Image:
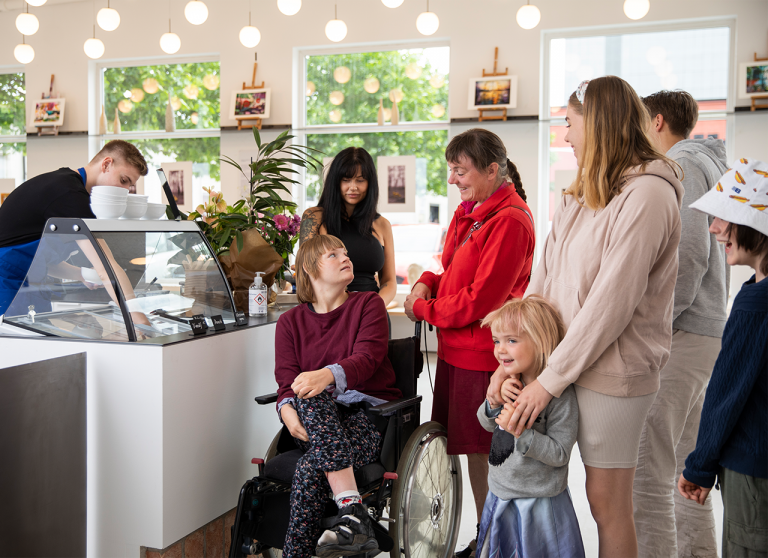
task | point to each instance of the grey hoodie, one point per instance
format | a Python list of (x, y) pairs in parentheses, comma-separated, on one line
[(701, 292), (535, 465)]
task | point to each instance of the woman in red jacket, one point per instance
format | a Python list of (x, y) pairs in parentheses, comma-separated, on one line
[(487, 260)]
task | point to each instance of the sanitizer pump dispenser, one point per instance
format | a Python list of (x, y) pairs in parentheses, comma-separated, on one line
[(257, 296)]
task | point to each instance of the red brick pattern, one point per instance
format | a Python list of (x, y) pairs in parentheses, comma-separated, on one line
[(214, 539), (210, 541), (173, 551), (194, 544), (229, 520)]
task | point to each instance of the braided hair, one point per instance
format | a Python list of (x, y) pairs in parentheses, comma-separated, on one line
[(484, 148)]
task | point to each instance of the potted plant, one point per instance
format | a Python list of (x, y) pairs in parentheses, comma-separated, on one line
[(257, 233)]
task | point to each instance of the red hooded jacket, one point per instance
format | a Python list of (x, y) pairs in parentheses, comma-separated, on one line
[(491, 267)]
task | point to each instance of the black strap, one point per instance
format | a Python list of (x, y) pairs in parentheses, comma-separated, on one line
[(476, 227)]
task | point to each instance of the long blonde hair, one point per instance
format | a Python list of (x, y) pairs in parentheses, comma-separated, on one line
[(534, 316), (616, 139)]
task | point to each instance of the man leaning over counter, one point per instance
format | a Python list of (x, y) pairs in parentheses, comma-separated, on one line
[(61, 193)]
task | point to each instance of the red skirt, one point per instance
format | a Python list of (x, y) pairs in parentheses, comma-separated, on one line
[(458, 394)]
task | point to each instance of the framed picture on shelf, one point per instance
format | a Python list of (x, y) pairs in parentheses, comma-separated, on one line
[(493, 92), (49, 112), (253, 103), (179, 177), (753, 79), (397, 184)]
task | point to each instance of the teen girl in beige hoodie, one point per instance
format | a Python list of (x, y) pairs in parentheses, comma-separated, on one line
[(609, 265)]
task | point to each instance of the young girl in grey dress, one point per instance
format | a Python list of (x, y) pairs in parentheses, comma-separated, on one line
[(528, 511)]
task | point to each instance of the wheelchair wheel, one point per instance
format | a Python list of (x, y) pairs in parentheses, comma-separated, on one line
[(426, 497)]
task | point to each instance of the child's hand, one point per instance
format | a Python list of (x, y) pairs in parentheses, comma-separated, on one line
[(506, 414), (511, 388)]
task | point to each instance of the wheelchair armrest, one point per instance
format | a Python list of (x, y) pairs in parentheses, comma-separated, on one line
[(392, 406), (266, 399)]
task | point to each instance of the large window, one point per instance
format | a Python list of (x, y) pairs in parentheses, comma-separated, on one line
[(139, 97), (347, 88), (13, 147), (696, 60), (343, 94)]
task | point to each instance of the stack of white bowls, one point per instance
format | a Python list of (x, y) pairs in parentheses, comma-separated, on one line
[(154, 212), (108, 202), (137, 206)]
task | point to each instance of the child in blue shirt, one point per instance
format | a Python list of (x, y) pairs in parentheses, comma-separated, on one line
[(732, 444)]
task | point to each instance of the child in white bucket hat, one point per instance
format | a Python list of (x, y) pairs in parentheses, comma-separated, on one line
[(732, 445)]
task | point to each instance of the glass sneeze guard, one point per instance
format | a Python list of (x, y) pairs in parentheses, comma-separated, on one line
[(120, 281)]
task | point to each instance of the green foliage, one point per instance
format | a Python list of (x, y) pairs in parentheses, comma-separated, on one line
[(11, 148), (270, 173), (428, 144), (359, 106), (149, 112), (12, 104)]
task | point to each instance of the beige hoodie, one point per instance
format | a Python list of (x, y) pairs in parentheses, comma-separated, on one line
[(611, 273)]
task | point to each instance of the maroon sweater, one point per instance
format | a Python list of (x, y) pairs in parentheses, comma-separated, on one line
[(354, 336)]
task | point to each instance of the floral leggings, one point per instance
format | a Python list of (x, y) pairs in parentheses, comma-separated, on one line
[(336, 441)]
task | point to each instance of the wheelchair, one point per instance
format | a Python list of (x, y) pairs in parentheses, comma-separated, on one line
[(414, 489)]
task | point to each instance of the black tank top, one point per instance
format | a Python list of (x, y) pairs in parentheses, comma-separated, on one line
[(367, 255)]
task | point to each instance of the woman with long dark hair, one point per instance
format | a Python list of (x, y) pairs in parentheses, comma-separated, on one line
[(347, 210)]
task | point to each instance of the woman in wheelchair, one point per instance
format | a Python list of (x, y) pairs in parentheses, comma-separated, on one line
[(331, 361)]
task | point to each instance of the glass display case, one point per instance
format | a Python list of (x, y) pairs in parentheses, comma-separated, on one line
[(121, 280)]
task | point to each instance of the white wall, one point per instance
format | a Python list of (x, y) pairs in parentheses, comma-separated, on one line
[(472, 28)]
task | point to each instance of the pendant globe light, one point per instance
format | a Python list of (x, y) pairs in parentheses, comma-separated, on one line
[(289, 7), (636, 9), (249, 35), (392, 3), (196, 12), (108, 18), (528, 16), (23, 52), (427, 22), (93, 47), (170, 42), (335, 29), (27, 23), (36, 3)]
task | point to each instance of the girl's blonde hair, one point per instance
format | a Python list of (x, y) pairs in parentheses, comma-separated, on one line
[(535, 317), (308, 263), (616, 139)]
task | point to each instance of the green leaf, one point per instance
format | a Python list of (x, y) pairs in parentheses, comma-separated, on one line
[(239, 238)]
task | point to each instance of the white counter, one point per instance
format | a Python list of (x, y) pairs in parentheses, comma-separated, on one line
[(171, 430)]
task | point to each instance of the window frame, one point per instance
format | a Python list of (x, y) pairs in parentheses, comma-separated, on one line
[(301, 129), (97, 99), (18, 138), (546, 120)]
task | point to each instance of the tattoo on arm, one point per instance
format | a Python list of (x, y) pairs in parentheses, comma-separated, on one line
[(310, 225)]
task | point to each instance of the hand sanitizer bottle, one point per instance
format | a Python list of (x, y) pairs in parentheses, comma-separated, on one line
[(257, 296)]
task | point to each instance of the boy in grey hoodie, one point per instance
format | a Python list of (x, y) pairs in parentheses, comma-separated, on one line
[(666, 524)]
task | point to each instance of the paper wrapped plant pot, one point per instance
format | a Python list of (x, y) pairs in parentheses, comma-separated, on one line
[(240, 266)]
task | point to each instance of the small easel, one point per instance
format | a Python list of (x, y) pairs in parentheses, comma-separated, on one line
[(502, 116), (48, 130), (756, 106), (251, 122)]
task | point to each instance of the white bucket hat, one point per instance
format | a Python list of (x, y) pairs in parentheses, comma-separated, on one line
[(741, 196)]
